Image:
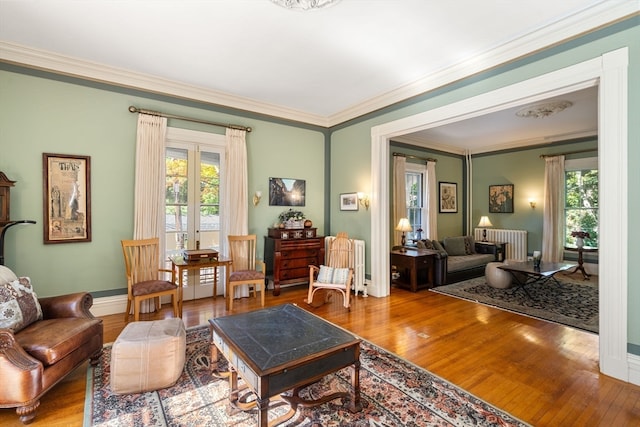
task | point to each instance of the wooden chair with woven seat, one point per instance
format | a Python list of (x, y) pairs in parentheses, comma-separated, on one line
[(337, 273), (242, 250), (144, 276)]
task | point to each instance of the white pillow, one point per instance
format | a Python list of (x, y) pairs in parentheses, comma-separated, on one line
[(340, 276), (6, 275), (325, 275)]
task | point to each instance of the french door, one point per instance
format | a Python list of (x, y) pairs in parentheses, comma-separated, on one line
[(194, 177)]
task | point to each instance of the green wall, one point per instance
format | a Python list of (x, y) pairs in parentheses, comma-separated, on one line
[(525, 170), (41, 115), (357, 135)]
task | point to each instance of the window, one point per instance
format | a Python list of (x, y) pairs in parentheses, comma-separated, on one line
[(581, 200), (415, 176)]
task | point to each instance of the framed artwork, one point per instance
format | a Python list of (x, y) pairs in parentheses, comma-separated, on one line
[(448, 197), (286, 192), (66, 198), (501, 198), (349, 201)]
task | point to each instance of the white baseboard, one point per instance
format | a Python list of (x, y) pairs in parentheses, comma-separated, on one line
[(109, 305), (634, 368)]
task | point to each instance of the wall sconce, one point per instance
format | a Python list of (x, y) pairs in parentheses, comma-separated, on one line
[(532, 202), (363, 199), (256, 197)]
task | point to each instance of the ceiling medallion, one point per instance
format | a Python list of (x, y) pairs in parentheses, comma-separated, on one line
[(544, 110), (305, 4)]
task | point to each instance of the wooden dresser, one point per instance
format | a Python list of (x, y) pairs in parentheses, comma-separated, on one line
[(288, 260)]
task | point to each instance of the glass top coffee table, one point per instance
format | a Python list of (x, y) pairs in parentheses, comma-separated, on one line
[(525, 273), (283, 348)]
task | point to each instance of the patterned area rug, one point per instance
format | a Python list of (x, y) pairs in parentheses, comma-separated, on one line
[(574, 303), (394, 393)]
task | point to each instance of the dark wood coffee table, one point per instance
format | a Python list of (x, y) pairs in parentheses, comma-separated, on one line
[(525, 273), (283, 348)]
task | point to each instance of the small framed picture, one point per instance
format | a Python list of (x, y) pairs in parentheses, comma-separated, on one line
[(66, 198), (448, 197), (349, 201), (501, 198)]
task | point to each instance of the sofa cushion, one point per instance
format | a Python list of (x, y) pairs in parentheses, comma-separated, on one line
[(465, 262), (438, 246), (455, 246), (426, 244), (469, 245), (19, 306), (70, 333)]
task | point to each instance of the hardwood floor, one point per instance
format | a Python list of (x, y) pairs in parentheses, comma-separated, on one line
[(543, 373)]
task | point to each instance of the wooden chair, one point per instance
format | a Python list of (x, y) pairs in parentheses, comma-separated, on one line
[(337, 274), (144, 276), (242, 250)]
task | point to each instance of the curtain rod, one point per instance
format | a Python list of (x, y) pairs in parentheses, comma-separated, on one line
[(542, 156), (426, 159), (133, 109)]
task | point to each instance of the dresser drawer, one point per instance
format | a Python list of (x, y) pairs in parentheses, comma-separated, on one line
[(298, 262), (299, 253), (294, 273)]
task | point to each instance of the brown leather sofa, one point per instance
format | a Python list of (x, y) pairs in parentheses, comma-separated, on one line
[(36, 358)]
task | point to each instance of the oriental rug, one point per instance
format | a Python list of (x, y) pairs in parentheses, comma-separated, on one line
[(573, 302), (394, 393)]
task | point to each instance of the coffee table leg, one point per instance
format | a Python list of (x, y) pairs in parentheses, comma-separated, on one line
[(356, 404), (263, 412)]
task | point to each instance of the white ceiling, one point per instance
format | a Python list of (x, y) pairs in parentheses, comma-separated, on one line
[(321, 67)]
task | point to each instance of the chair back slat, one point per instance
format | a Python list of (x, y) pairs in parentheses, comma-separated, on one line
[(341, 252), (142, 259), (242, 250)]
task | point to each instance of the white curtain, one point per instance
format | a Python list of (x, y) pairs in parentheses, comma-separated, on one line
[(399, 195), (432, 202), (236, 194), (149, 178), (553, 226), (148, 220)]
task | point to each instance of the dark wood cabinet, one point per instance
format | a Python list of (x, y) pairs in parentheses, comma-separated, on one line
[(288, 260), (412, 269)]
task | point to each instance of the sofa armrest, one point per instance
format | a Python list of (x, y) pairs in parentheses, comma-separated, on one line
[(21, 376), (70, 305)]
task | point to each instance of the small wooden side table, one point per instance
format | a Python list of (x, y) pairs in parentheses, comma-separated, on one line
[(580, 251), (178, 265), (414, 268)]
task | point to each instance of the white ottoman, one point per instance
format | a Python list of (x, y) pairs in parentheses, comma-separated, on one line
[(148, 356), (497, 277)]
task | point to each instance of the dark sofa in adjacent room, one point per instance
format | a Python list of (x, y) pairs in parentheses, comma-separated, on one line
[(460, 258)]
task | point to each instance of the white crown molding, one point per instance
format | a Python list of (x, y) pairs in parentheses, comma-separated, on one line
[(49, 61), (572, 26)]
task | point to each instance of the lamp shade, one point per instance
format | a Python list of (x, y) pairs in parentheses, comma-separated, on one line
[(403, 225), (484, 222)]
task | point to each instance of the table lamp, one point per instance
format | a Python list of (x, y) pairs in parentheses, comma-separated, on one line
[(484, 223), (403, 226)]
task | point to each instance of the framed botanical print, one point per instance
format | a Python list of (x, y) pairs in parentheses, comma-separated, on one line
[(501, 198), (66, 198), (448, 197)]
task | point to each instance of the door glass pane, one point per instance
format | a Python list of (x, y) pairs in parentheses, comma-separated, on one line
[(176, 197), (210, 200)]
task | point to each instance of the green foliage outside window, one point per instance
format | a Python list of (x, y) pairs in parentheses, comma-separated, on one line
[(581, 205)]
